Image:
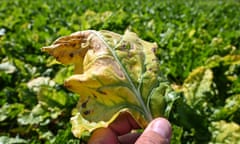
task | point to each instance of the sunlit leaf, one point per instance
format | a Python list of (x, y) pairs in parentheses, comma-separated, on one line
[(12, 140), (198, 85), (7, 67), (208, 90), (224, 132), (231, 107), (91, 18), (113, 73), (2, 31), (187, 32), (40, 114), (35, 84), (52, 97), (215, 79), (37, 115), (8, 111)]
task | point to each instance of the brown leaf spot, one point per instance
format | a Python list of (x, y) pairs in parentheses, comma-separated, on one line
[(94, 96), (71, 55), (87, 112), (57, 57), (102, 92), (67, 86), (123, 46), (74, 45), (154, 49), (84, 104)]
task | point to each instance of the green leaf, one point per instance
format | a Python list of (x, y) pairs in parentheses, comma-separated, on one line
[(7, 67), (91, 19), (225, 132), (36, 116), (62, 74), (213, 83), (65, 136), (198, 85), (113, 72), (229, 110), (209, 91), (10, 111), (40, 114), (11, 140), (37, 83), (52, 97)]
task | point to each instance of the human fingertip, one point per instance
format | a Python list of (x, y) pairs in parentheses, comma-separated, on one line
[(162, 127)]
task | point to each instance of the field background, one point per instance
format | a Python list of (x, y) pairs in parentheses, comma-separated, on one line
[(36, 108)]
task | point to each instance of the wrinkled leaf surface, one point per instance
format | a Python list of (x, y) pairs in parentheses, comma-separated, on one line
[(113, 73)]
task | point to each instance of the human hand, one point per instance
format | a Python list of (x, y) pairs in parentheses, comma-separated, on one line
[(157, 132)]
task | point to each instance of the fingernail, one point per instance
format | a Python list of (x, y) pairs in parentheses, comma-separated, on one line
[(162, 127)]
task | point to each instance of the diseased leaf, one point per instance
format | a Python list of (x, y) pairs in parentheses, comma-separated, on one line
[(113, 73), (224, 132), (213, 83), (198, 85), (211, 91)]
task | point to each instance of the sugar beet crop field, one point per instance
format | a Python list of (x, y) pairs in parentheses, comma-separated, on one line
[(198, 51)]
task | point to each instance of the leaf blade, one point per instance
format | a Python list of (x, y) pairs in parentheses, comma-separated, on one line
[(118, 72)]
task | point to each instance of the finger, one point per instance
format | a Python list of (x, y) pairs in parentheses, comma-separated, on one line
[(122, 125), (102, 136), (129, 138), (157, 132)]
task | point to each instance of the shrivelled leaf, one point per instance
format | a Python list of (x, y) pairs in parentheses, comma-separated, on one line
[(113, 73), (204, 82), (212, 92), (197, 85)]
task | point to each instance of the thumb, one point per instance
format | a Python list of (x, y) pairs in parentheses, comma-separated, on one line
[(157, 132)]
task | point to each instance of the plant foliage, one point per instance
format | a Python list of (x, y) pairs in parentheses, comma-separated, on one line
[(198, 52)]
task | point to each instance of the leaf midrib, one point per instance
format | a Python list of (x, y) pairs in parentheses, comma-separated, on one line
[(137, 93)]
